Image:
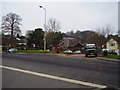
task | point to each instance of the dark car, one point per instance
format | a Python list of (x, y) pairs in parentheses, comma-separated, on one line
[(90, 49), (91, 52)]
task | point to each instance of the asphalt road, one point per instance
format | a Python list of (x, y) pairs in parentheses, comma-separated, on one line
[(59, 71)]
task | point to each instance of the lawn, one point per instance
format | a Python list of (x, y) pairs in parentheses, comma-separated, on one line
[(38, 51), (34, 51), (113, 56)]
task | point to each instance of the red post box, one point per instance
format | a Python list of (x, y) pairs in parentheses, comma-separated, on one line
[(57, 48)]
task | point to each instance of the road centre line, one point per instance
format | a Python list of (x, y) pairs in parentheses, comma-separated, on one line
[(55, 77)]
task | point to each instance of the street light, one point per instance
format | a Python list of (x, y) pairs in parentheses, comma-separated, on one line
[(44, 29)]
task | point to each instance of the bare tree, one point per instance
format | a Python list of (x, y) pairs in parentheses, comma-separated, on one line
[(99, 40), (11, 24), (100, 36), (53, 25), (106, 31)]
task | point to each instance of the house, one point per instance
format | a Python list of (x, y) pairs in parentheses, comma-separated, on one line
[(71, 43), (21, 43), (113, 45), (6, 41), (78, 46)]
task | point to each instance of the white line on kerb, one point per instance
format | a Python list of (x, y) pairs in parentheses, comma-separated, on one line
[(55, 77)]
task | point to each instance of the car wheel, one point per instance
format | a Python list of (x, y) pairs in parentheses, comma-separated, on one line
[(95, 55), (86, 55)]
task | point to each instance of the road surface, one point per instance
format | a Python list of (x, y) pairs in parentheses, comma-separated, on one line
[(53, 71)]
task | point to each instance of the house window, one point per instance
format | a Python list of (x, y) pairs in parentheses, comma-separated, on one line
[(112, 44)]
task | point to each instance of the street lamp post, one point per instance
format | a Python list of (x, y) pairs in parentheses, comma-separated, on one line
[(44, 29)]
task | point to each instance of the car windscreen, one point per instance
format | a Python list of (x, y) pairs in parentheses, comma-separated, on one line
[(90, 47)]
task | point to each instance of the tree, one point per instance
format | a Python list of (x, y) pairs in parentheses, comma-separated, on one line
[(97, 39), (53, 25), (11, 24), (100, 36), (53, 39), (28, 33), (106, 31), (53, 35), (81, 36), (35, 39)]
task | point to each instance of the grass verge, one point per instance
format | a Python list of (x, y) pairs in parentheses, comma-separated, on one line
[(113, 56), (38, 51), (34, 51)]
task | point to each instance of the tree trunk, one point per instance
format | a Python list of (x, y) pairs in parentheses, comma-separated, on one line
[(12, 36)]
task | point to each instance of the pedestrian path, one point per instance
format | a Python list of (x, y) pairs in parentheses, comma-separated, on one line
[(108, 59), (83, 55)]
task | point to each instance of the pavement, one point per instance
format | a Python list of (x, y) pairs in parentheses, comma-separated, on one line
[(108, 59), (83, 55), (78, 56)]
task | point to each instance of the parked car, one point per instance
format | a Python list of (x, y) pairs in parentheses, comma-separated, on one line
[(69, 51), (77, 52), (12, 50), (40, 50), (90, 49)]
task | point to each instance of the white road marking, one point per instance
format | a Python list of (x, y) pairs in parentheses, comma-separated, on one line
[(55, 77)]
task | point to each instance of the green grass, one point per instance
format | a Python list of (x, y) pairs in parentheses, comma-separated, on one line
[(37, 51), (34, 51), (113, 56)]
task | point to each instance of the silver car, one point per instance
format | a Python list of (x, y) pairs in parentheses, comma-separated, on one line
[(69, 51), (12, 50), (77, 52)]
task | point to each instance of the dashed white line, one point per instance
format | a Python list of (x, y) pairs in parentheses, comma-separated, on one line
[(55, 77)]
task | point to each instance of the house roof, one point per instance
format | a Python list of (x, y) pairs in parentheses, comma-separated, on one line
[(116, 39), (77, 45), (22, 41)]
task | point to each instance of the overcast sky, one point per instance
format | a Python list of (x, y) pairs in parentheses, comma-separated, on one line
[(72, 15)]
